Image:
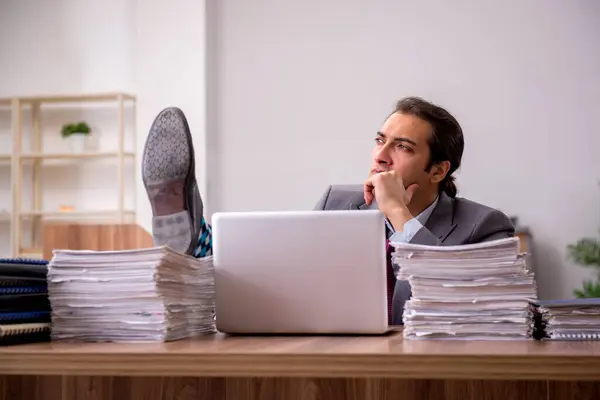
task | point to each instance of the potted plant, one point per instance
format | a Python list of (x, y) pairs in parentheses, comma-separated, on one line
[(586, 252), (76, 134)]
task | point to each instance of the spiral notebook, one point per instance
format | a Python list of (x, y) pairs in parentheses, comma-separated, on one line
[(22, 275), (23, 268), (24, 317), (10, 281), (24, 333), (569, 319), (24, 303)]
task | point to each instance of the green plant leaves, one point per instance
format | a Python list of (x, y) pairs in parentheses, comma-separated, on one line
[(590, 289), (75, 128), (586, 252)]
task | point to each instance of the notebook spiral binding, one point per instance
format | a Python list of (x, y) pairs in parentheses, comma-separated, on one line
[(23, 329), (575, 336), (14, 282), (23, 315), (21, 260), (22, 289)]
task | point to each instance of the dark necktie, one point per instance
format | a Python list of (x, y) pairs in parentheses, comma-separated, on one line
[(391, 280)]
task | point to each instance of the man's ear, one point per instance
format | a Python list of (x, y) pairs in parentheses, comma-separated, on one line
[(439, 171)]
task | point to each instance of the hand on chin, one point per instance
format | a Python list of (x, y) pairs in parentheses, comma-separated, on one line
[(390, 191)]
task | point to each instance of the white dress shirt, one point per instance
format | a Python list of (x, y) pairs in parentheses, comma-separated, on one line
[(412, 226)]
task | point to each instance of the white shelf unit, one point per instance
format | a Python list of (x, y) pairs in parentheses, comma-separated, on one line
[(6, 163), (36, 158)]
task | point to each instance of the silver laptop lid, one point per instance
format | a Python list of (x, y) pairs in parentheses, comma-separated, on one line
[(300, 272)]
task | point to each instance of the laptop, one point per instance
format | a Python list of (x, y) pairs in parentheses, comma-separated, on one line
[(300, 272)]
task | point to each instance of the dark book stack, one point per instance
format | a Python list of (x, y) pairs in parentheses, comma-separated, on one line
[(569, 319), (24, 303)]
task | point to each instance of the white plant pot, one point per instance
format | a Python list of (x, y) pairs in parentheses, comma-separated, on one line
[(77, 142)]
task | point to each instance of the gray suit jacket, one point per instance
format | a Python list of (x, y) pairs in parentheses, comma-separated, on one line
[(452, 222)]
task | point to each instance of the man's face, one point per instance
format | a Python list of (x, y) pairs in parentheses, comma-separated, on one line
[(402, 145)]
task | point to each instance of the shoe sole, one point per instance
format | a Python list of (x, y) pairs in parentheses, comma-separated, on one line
[(167, 173)]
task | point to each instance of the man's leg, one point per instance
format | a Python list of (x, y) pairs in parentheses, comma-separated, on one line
[(168, 172), (203, 245)]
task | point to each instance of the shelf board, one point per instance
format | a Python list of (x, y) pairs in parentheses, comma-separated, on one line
[(96, 97), (73, 156), (32, 252), (4, 216), (5, 156), (78, 214)]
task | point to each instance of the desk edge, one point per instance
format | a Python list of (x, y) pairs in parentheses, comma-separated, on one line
[(530, 367)]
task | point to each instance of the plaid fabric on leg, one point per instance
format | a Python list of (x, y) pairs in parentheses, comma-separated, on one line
[(204, 244)]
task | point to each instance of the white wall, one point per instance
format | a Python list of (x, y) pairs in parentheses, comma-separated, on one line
[(296, 90), (300, 87), (151, 48), (65, 47), (169, 65)]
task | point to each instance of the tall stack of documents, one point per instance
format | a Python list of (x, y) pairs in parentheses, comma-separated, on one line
[(478, 292), (151, 294), (570, 319)]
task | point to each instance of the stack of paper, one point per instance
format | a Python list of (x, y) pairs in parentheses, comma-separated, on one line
[(478, 291), (572, 319), (151, 294)]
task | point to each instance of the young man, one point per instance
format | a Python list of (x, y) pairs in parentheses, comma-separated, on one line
[(416, 151)]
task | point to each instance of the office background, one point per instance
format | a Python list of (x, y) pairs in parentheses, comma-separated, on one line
[(284, 97)]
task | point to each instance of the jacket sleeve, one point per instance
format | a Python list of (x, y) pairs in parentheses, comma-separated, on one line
[(495, 225)]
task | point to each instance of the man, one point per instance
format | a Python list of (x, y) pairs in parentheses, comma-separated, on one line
[(418, 148), (411, 181)]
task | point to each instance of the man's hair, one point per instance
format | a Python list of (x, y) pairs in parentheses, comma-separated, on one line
[(446, 142)]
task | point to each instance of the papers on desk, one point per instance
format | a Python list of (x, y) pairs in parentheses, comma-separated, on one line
[(570, 319), (479, 291), (151, 294)]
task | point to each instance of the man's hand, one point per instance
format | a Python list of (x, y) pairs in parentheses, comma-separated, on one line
[(392, 197)]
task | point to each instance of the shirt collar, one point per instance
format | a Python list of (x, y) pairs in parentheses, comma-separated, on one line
[(423, 217)]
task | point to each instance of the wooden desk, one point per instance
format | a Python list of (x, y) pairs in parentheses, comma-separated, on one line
[(288, 368)]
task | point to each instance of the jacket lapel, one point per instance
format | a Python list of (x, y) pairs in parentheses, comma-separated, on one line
[(365, 206), (357, 202), (441, 221), (372, 206)]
